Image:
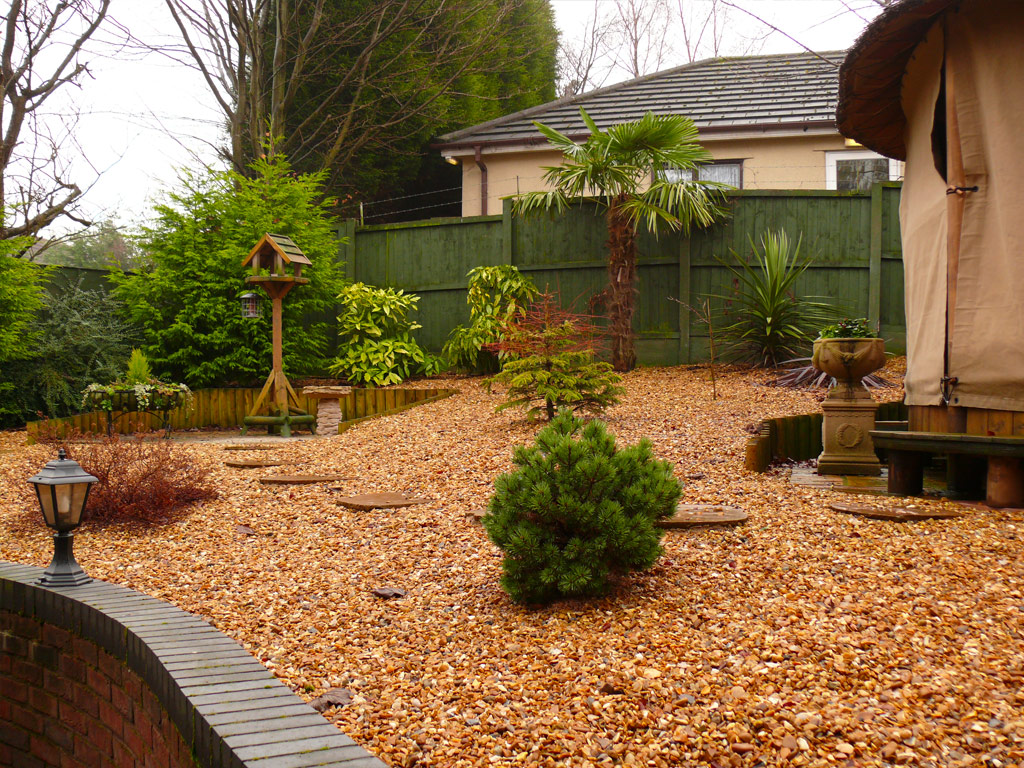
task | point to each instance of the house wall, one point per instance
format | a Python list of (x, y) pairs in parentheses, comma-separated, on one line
[(775, 162)]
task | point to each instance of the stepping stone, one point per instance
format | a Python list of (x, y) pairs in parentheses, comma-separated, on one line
[(250, 447), (896, 514), (367, 501), (388, 593), (252, 463), (335, 697), (301, 479), (476, 515), (693, 515)]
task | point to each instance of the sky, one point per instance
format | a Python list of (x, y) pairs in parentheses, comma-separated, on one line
[(143, 117)]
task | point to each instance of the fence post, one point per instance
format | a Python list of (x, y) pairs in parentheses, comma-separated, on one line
[(875, 257), (683, 354), (506, 232), (348, 251)]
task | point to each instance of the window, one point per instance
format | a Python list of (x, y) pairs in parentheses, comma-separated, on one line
[(729, 172), (858, 170)]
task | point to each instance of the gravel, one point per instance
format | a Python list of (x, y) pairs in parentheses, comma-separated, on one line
[(803, 637)]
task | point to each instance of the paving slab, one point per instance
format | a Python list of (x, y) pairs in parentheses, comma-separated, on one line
[(896, 514), (302, 479), (693, 515), (253, 463), (367, 501)]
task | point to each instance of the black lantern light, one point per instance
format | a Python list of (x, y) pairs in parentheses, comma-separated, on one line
[(62, 489), (252, 305)]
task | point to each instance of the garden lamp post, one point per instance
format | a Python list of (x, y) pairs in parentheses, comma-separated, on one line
[(62, 488)]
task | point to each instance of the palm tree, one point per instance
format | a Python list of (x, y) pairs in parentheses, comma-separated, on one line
[(622, 170)]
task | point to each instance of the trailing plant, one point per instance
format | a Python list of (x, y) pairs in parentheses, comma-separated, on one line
[(152, 395), (495, 296), (141, 480), (375, 340), (185, 297), (550, 363), (858, 328), (578, 510), (80, 336), (767, 321)]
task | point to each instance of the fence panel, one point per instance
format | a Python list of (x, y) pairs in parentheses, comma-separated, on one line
[(854, 239)]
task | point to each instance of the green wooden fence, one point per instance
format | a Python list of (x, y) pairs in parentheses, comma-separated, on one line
[(853, 237)]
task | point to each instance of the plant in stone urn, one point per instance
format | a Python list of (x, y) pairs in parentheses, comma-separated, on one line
[(848, 351)]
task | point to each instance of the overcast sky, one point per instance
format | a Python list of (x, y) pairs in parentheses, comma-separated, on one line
[(144, 116)]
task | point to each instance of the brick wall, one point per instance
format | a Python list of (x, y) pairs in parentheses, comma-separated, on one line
[(99, 676), (66, 702)]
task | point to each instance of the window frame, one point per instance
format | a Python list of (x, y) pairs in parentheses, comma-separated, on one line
[(832, 172), (738, 163)]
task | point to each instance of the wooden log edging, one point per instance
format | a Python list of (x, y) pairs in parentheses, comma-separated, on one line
[(798, 438), (393, 400), (227, 407), (147, 683)]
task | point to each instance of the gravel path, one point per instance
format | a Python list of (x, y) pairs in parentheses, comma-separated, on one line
[(804, 637)]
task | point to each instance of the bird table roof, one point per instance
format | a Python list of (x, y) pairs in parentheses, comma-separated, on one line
[(281, 245)]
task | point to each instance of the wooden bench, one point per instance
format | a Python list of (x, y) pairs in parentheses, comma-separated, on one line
[(1004, 474)]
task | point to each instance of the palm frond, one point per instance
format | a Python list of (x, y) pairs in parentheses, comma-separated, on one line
[(549, 200)]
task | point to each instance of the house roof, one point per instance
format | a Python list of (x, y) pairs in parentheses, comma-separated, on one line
[(724, 94), (870, 109), (281, 244)]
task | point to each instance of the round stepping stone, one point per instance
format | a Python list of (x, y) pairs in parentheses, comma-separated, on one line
[(301, 479), (896, 514), (476, 515), (693, 515), (250, 447), (252, 463), (367, 501)]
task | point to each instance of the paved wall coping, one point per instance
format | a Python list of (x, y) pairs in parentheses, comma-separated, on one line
[(230, 710)]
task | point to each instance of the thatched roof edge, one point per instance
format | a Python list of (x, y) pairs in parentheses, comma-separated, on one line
[(870, 110)]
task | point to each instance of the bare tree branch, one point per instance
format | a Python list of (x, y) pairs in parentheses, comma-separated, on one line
[(41, 54)]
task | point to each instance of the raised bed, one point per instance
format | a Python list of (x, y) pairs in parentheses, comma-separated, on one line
[(227, 407), (798, 438)]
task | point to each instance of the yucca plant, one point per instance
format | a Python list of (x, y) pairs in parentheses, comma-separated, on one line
[(766, 320)]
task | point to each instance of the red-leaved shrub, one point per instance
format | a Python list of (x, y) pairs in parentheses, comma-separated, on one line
[(139, 479)]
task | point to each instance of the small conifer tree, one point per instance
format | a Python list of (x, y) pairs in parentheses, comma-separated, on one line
[(578, 510), (550, 362)]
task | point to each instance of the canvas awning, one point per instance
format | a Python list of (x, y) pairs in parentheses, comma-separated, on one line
[(870, 79), (940, 83)]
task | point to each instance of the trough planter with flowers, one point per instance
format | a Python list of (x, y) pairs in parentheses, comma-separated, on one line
[(154, 397)]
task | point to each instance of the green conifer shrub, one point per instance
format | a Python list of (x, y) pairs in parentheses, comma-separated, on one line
[(578, 510)]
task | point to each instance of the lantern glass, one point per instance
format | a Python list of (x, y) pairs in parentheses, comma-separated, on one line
[(252, 307), (62, 489)]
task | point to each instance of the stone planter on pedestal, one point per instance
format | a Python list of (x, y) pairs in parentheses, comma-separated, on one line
[(849, 410)]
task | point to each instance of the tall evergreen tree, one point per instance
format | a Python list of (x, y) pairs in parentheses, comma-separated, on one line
[(359, 87)]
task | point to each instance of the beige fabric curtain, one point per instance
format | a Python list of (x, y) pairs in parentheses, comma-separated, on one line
[(985, 52), (923, 224)]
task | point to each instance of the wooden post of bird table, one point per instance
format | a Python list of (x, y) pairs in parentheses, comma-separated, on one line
[(270, 258)]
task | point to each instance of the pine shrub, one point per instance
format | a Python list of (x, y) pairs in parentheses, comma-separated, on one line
[(577, 511)]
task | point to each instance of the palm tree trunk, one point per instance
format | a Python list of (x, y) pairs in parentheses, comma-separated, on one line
[(621, 285)]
